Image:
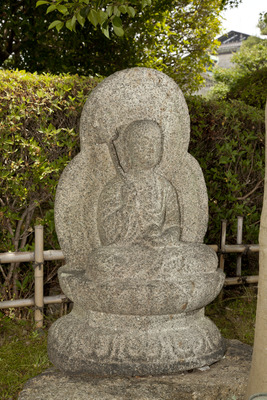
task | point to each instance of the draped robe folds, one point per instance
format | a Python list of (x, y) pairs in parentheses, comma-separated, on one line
[(137, 208), (139, 228)]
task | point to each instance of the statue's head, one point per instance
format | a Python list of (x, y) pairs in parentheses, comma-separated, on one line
[(144, 144)]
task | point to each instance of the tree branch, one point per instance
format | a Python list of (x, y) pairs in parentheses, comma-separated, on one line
[(27, 224), (28, 210), (3, 272), (251, 192)]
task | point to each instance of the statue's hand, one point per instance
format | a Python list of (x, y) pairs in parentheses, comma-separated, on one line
[(150, 236), (171, 236), (152, 231), (153, 236)]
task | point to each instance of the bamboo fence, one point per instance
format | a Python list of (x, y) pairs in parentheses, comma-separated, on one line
[(39, 256)]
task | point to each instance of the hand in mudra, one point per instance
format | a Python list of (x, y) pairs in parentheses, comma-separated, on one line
[(154, 236)]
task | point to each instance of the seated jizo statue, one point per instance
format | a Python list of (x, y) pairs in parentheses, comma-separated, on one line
[(131, 214), (139, 217)]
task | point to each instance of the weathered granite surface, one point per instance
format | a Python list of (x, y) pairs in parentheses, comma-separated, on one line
[(127, 96), (131, 213), (110, 344), (224, 380)]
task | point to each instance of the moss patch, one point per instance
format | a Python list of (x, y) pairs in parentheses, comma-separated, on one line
[(23, 355), (235, 313)]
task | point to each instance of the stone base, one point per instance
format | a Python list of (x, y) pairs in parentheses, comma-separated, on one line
[(109, 344), (222, 381)]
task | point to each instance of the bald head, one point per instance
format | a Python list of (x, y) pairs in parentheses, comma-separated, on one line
[(143, 141)]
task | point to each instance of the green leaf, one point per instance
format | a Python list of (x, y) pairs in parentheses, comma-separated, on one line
[(41, 2), (117, 26), (116, 11), (73, 22), (54, 23), (118, 31), (62, 9), (146, 3), (109, 10), (85, 11), (51, 8), (59, 26), (123, 8), (105, 29), (92, 17), (102, 16), (116, 21), (80, 19), (68, 24), (18, 284), (131, 11)]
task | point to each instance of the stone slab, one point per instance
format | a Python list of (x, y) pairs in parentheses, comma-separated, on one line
[(224, 380)]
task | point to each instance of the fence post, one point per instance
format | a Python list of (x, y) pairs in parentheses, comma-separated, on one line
[(239, 241), (222, 248), (222, 243), (39, 275)]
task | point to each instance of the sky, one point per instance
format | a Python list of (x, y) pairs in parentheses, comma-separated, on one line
[(245, 17)]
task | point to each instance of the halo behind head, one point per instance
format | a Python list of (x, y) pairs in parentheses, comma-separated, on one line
[(136, 94)]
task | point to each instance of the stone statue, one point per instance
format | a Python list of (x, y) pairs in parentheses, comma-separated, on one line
[(131, 214), (139, 217)]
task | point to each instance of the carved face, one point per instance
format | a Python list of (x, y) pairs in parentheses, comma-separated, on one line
[(144, 144)]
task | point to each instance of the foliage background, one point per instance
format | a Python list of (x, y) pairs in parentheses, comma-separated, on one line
[(247, 79), (227, 139), (175, 36), (39, 120)]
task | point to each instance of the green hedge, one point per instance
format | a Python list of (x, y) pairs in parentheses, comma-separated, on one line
[(39, 118), (38, 136), (227, 138)]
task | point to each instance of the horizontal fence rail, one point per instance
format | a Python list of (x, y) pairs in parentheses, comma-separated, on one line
[(39, 256), (49, 255), (240, 248), (58, 299)]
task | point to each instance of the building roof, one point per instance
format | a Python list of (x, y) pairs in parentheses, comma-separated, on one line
[(232, 37)]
